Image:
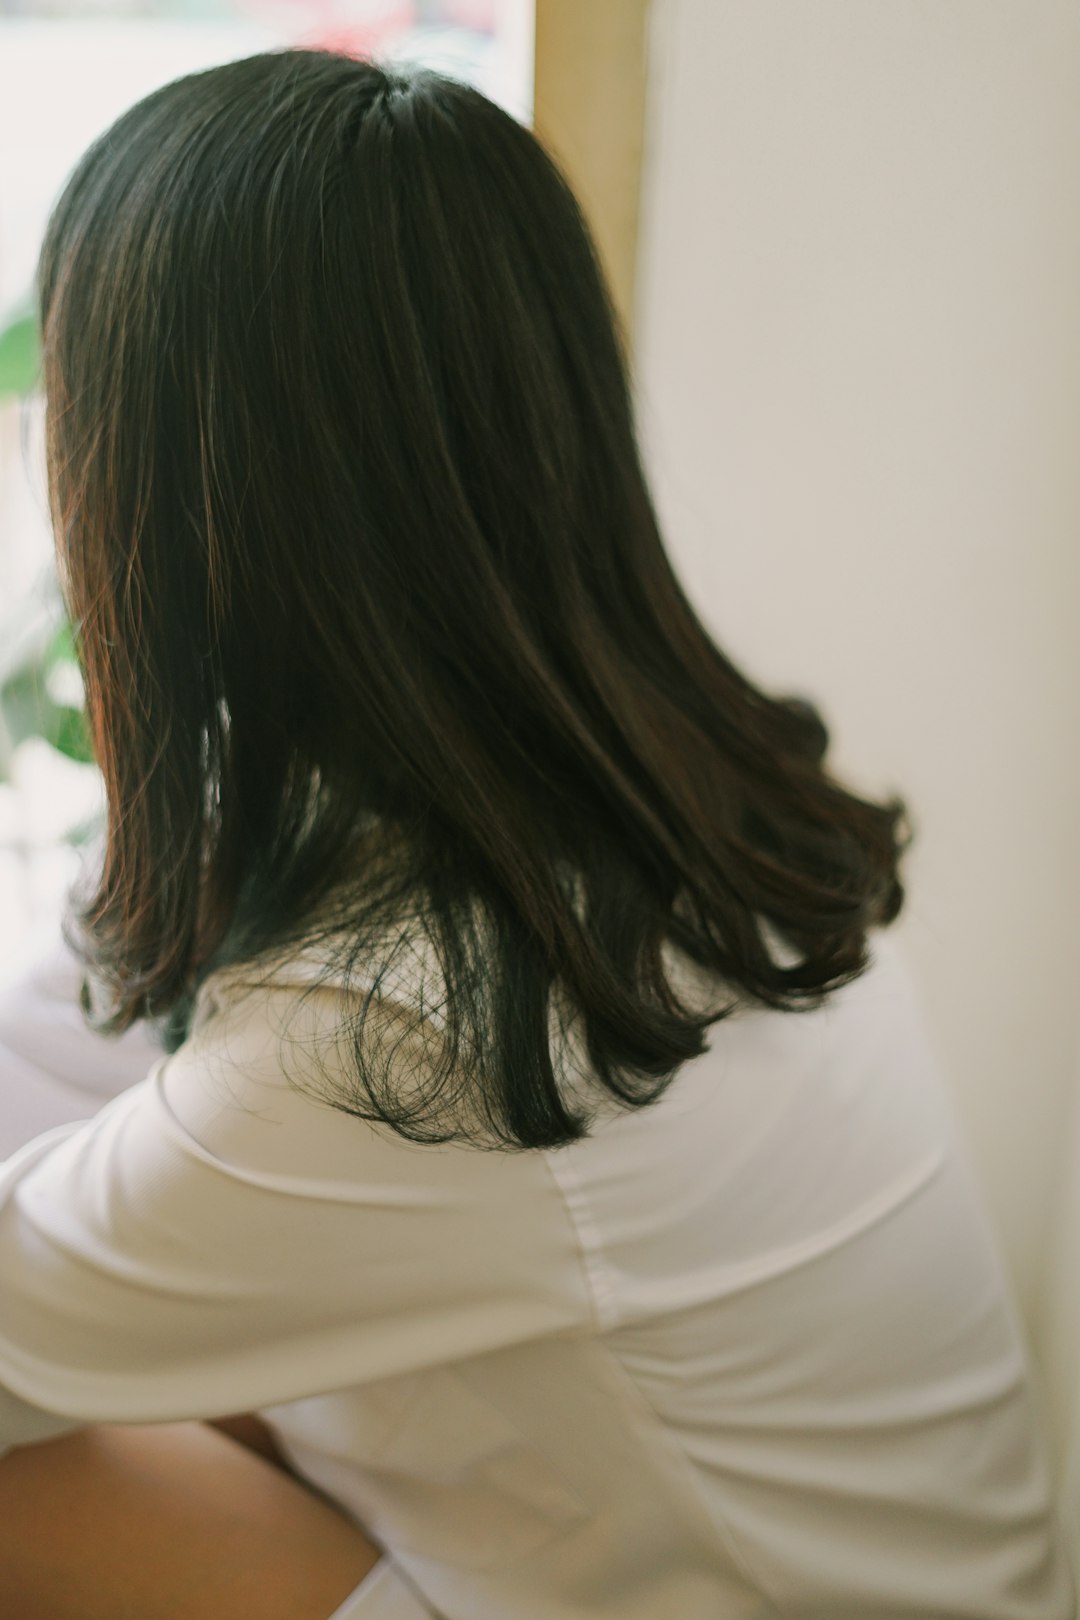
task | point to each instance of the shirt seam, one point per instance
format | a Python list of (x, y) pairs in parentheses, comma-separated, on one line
[(606, 1316), (715, 1522), (598, 1280)]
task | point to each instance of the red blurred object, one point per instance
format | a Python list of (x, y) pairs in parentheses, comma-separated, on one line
[(354, 29), (362, 27), (476, 14), (351, 39)]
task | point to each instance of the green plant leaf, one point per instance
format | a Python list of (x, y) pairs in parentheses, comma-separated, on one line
[(24, 700), (30, 712), (19, 356), (71, 735), (83, 831), (62, 647)]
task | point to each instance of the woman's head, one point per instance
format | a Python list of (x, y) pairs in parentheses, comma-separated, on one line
[(353, 530)]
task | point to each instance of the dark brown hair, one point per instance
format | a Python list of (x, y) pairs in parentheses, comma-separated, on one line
[(354, 534)]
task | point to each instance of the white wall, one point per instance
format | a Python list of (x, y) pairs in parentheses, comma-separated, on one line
[(859, 380)]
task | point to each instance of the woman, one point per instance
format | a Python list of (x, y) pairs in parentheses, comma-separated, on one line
[(547, 1162)]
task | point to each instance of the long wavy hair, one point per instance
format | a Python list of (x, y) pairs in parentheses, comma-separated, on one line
[(379, 637)]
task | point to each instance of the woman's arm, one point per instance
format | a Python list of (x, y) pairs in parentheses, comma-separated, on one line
[(250, 1431), (216, 1240), (53, 1067)]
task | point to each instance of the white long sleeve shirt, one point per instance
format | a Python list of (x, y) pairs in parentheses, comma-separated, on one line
[(749, 1352)]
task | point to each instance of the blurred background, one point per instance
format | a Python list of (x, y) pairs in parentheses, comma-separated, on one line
[(845, 242)]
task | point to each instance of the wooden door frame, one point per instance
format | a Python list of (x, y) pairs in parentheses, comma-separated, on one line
[(589, 80)]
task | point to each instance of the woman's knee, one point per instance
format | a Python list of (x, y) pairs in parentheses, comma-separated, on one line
[(168, 1520)]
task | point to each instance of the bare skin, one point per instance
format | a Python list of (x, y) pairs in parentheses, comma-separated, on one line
[(173, 1521), (250, 1431)]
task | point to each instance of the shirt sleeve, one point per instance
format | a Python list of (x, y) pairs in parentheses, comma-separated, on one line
[(215, 1239), (53, 1067)]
